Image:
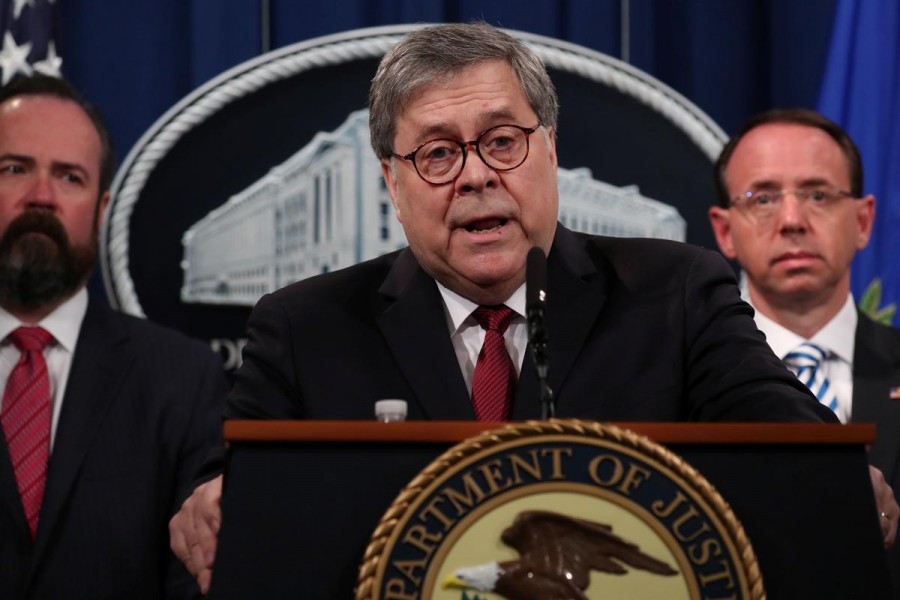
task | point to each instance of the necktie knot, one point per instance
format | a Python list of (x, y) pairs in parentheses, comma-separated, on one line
[(494, 318), (807, 361), (30, 339), (806, 355)]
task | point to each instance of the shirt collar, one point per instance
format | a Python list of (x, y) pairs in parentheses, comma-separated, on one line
[(838, 335), (63, 323), (458, 309)]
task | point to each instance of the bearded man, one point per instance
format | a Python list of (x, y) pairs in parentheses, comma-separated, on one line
[(105, 417)]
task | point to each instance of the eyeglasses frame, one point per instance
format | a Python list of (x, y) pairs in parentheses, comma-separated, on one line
[(735, 202), (464, 146)]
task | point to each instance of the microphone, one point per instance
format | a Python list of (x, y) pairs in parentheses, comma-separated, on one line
[(535, 308)]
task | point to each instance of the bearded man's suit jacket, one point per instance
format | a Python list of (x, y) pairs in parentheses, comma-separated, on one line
[(639, 330), (142, 410), (876, 371)]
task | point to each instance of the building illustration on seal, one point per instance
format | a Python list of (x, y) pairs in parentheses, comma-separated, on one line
[(327, 207)]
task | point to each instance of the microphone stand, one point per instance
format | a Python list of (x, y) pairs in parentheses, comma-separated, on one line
[(537, 344), (535, 305)]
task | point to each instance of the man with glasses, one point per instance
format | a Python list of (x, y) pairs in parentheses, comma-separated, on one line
[(463, 119), (793, 214)]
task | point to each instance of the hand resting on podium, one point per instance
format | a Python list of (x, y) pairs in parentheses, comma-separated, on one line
[(886, 505), (194, 531)]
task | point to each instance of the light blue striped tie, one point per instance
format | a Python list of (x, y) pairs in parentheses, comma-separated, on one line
[(804, 361)]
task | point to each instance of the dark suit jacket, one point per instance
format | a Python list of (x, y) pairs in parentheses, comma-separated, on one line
[(142, 407), (876, 369), (639, 330)]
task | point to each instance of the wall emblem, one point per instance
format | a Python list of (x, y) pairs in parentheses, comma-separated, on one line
[(559, 510)]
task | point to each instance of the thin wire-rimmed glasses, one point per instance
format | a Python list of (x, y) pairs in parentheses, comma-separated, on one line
[(762, 205), (502, 148)]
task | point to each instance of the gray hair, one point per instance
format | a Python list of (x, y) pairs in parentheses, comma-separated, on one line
[(433, 55)]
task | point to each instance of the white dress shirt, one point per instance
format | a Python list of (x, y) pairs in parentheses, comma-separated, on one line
[(467, 335), (838, 337), (63, 324)]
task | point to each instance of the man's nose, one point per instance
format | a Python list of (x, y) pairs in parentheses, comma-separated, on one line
[(792, 212), (476, 175), (42, 194)]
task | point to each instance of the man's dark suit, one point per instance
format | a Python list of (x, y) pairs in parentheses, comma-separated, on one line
[(876, 369), (142, 408), (639, 330)]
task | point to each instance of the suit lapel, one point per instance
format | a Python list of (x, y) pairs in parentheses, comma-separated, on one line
[(414, 325), (98, 368), (576, 296), (874, 366)]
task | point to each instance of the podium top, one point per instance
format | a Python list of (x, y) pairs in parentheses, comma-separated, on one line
[(455, 431)]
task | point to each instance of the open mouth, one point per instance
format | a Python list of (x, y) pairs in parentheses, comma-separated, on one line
[(485, 225)]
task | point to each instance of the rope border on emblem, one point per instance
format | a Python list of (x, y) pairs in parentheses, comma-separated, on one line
[(592, 430), (358, 44)]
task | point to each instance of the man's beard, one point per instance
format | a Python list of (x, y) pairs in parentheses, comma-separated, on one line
[(38, 265)]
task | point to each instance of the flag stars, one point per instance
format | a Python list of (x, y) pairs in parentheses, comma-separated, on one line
[(14, 58), (19, 5), (32, 22), (52, 63)]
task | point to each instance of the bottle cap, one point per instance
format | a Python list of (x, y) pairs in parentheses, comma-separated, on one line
[(390, 410)]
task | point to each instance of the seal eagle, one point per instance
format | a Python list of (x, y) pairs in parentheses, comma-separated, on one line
[(556, 556)]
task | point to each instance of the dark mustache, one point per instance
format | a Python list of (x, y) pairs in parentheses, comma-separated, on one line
[(36, 221)]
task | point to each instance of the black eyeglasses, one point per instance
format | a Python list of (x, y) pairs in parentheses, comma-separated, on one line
[(762, 205), (502, 148)]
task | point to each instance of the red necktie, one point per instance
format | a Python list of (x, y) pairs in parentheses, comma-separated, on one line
[(25, 417), (495, 375)]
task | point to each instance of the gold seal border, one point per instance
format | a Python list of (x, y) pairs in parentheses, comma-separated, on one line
[(372, 558)]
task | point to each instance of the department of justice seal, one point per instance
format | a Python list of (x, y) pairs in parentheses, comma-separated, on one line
[(563, 509)]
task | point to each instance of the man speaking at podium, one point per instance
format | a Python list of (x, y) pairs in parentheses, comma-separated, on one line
[(463, 118)]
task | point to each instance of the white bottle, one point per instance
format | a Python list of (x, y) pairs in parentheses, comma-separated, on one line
[(390, 411)]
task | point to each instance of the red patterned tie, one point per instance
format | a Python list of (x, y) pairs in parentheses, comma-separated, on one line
[(25, 416), (495, 375)]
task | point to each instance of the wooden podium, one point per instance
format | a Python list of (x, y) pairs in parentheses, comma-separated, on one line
[(301, 499)]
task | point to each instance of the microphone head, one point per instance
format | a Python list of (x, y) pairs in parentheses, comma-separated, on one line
[(535, 279)]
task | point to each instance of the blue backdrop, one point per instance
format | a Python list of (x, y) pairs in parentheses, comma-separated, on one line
[(136, 59)]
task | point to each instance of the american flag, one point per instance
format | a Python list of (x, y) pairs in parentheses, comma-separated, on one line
[(30, 29)]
